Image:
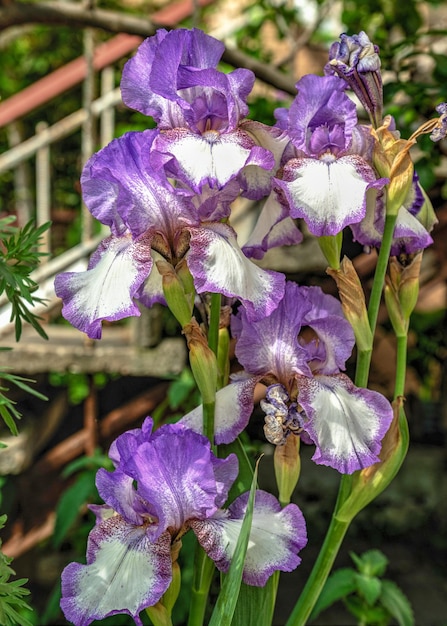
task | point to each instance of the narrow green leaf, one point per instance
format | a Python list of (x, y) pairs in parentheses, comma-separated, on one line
[(70, 503), (371, 562), (398, 605), (255, 605), (339, 585), (245, 477), (8, 419), (226, 602)]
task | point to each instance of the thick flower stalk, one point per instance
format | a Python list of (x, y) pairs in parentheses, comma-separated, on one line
[(165, 483), (149, 219)]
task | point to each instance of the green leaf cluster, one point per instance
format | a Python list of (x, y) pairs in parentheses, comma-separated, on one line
[(372, 600), (19, 257), (12, 592)]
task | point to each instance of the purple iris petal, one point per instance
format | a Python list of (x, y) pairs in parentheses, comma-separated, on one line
[(210, 158), (125, 573), (329, 193), (270, 345), (274, 227), (218, 265), (335, 334), (234, 406), (106, 290), (321, 106), (346, 423), (276, 537), (185, 480)]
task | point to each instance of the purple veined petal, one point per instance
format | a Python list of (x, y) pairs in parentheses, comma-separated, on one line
[(234, 406), (270, 345), (335, 333), (151, 291), (210, 159), (179, 476), (321, 103), (118, 491), (328, 195), (106, 290), (346, 423), (256, 181), (120, 180), (125, 573), (276, 537), (218, 265), (125, 445), (273, 228)]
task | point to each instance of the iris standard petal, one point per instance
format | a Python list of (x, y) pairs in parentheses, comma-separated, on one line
[(345, 422), (185, 481), (106, 290), (276, 537), (125, 573)]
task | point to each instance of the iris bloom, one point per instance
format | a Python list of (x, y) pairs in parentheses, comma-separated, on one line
[(204, 137), (165, 483), (298, 352), (150, 219), (329, 171)]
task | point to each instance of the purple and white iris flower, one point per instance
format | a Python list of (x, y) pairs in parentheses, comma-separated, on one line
[(326, 180), (165, 483), (200, 111), (150, 219), (298, 352)]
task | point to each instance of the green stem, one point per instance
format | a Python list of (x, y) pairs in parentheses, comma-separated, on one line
[(337, 529), (214, 322), (208, 420), (320, 572), (364, 357), (401, 366), (203, 575)]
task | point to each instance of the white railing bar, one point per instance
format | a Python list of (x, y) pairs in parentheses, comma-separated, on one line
[(60, 129), (108, 115), (43, 191)]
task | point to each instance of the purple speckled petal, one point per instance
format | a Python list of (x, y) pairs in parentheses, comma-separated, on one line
[(328, 195), (117, 490), (125, 573), (273, 228), (270, 345), (106, 290), (185, 481), (346, 423), (208, 159), (119, 183), (234, 406), (218, 265), (276, 537)]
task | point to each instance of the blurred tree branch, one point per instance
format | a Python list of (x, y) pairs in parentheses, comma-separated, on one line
[(75, 15)]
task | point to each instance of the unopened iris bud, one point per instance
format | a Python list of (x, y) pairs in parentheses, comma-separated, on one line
[(356, 60), (202, 360), (173, 290), (287, 462), (353, 303), (402, 290), (331, 247)]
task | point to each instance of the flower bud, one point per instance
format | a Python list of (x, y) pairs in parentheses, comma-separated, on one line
[(202, 360), (402, 290), (287, 462), (331, 248), (174, 293)]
